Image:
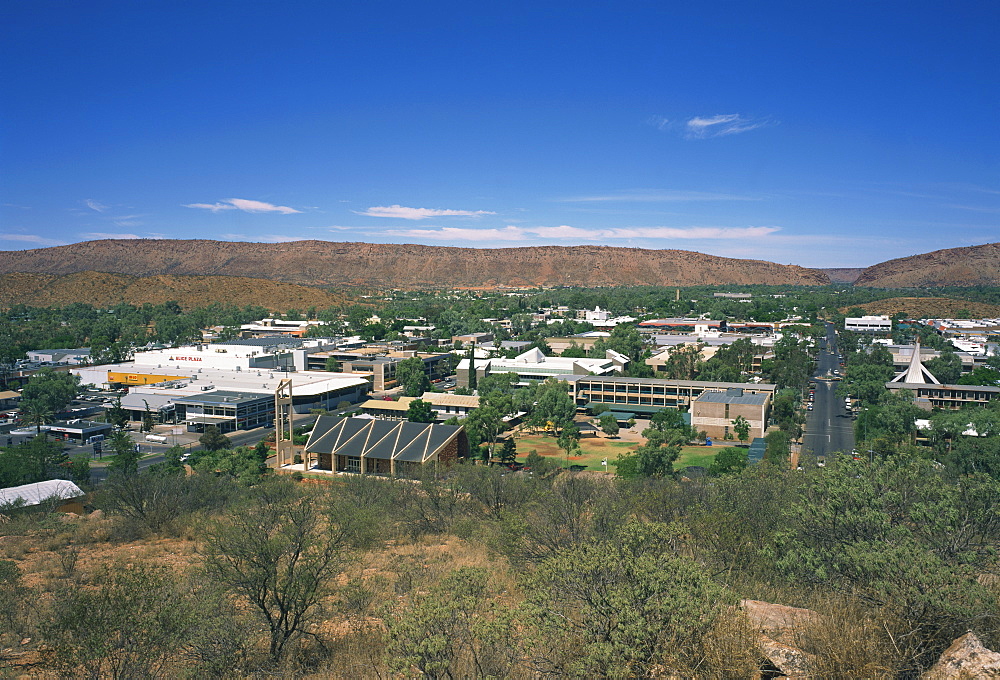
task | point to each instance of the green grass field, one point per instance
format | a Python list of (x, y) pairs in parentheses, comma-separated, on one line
[(594, 450)]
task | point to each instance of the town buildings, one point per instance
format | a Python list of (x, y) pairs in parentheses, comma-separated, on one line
[(533, 366)]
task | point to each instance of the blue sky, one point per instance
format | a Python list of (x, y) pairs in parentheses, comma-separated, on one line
[(822, 134)]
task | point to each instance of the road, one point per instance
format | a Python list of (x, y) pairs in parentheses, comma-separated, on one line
[(829, 428)]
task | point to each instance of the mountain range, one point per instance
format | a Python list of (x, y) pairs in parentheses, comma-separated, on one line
[(311, 264)]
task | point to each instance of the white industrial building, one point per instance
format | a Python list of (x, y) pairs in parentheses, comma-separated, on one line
[(241, 366)]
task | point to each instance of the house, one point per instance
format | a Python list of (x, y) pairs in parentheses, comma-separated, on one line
[(384, 447)]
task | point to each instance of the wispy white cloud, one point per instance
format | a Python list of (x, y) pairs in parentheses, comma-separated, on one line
[(514, 233), (94, 205), (460, 234), (720, 125), (244, 204), (281, 238), (404, 213), (101, 235), (127, 221), (659, 122), (658, 197), (32, 238), (978, 208)]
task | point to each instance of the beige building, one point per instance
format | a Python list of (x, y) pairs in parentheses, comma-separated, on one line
[(714, 413), (649, 395)]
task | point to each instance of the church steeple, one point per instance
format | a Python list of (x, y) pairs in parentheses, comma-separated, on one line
[(916, 373)]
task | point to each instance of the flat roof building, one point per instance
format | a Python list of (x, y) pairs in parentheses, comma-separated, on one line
[(649, 395), (868, 324), (714, 412)]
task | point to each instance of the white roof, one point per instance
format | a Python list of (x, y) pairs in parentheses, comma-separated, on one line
[(34, 494), (262, 380)]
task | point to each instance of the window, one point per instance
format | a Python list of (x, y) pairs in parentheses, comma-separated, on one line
[(352, 464)]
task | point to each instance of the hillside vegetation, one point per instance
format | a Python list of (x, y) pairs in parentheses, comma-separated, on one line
[(931, 308), (102, 289), (407, 266), (480, 573), (970, 266)]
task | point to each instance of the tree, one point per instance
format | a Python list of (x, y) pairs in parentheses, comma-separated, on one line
[(729, 460), (37, 414), (554, 408), (79, 468), (981, 376), (609, 425), (282, 552), (741, 426), (130, 626), (624, 339), (682, 362), (420, 411), (126, 460), (508, 452), (900, 534), (483, 425), (411, 377), (456, 628), (147, 418), (331, 365), (947, 367), (655, 458), (213, 440), (626, 607), (778, 446), (116, 415), (49, 391), (569, 440)]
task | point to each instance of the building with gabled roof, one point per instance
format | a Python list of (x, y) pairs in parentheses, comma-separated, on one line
[(383, 447)]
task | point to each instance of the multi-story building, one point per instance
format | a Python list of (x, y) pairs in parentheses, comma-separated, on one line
[(649, 395), (868, 324), (714, 412)]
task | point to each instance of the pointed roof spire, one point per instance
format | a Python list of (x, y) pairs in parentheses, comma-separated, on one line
[(916, 373)]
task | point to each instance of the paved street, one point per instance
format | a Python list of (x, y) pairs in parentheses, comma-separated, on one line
[(829, 428)]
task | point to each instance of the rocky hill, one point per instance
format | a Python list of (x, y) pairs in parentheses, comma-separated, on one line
[(406, 266), (843, 274), (969, 266), (102, 290), (930, 308)]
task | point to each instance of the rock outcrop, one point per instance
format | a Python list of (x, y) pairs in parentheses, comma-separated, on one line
[(965, 659), (777, 626)]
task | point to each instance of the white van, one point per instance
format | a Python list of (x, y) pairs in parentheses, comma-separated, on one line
[(158, 438)]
